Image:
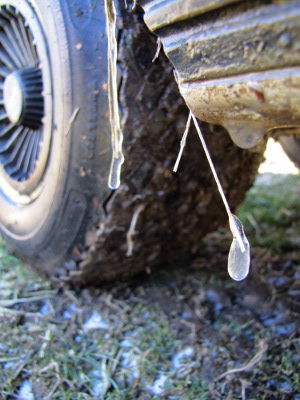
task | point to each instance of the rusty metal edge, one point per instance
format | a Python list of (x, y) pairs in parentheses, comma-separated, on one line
[(247, 105), (160, 13)]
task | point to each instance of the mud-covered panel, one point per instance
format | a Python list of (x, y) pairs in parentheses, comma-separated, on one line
[(238, 65), (248, 106), (239, 39), (159, 13)]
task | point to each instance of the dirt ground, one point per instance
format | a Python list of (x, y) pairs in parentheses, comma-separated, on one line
[(181, 332)]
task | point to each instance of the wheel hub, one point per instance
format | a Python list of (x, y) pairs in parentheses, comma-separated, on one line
[(13, 97), (23, 101)]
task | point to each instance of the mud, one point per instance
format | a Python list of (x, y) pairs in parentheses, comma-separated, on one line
[(178, 209)]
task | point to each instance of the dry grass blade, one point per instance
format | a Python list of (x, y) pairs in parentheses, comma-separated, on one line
[(22, 364), (247, 367), (7, 311), (72, 120), (12, 302), (131, 230)]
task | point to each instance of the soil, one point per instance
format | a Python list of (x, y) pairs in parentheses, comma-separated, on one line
[(186, 331)]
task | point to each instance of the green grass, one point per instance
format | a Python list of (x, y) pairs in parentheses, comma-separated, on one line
[(271, 213), (196, 309)]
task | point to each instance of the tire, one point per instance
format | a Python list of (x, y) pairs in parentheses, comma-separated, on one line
[(73, 228), (291, 146), (46, 212)]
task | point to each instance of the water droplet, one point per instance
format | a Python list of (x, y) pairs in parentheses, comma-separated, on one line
[(115, 172), (239, 254)]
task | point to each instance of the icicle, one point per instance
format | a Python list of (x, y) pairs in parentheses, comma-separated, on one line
[(239, 254), (183, 142), (159, 44), (116, 132)]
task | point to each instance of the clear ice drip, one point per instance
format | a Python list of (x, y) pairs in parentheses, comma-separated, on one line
[(183, 142), (239, 254), (116, 132)]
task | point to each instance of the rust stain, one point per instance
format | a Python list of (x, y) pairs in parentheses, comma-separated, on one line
[(259, 95)]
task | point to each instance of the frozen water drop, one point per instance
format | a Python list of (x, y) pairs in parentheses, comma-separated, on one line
[(116, 132), (239, 254), (115, 172), (238, 261)]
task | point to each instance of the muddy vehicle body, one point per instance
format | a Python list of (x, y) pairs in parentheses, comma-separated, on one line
[(235, 64)]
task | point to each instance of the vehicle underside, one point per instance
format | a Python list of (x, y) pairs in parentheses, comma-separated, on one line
[(236, 62)]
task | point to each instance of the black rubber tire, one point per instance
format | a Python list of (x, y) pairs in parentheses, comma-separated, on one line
[(44, 231), (291, 146), (84, 233)]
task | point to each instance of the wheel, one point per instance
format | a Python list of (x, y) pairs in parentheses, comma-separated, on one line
[(291, 146), (55, 134), (57, 212)]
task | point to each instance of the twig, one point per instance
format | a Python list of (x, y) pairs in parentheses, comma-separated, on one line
[(12, 302), (47, 339), (131, 230), (5, 311), (55, 386), (54, 366), (159, 43), (245, 385), (256, 359), (72, 119), (9, 359), (22, 364)]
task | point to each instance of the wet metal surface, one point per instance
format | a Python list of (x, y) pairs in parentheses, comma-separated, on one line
[(160, 13), (236, 65), (247, 106)]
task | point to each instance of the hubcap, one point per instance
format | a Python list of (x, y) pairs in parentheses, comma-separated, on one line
[(25, 100), (13, 97)]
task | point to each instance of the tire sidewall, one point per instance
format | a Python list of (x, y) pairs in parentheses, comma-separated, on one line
[(70, 180)]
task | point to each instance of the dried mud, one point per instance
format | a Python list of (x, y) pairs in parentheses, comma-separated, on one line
[(178, 209)]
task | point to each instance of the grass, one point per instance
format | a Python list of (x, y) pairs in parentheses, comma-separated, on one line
[(271, 213), (189, 333)]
